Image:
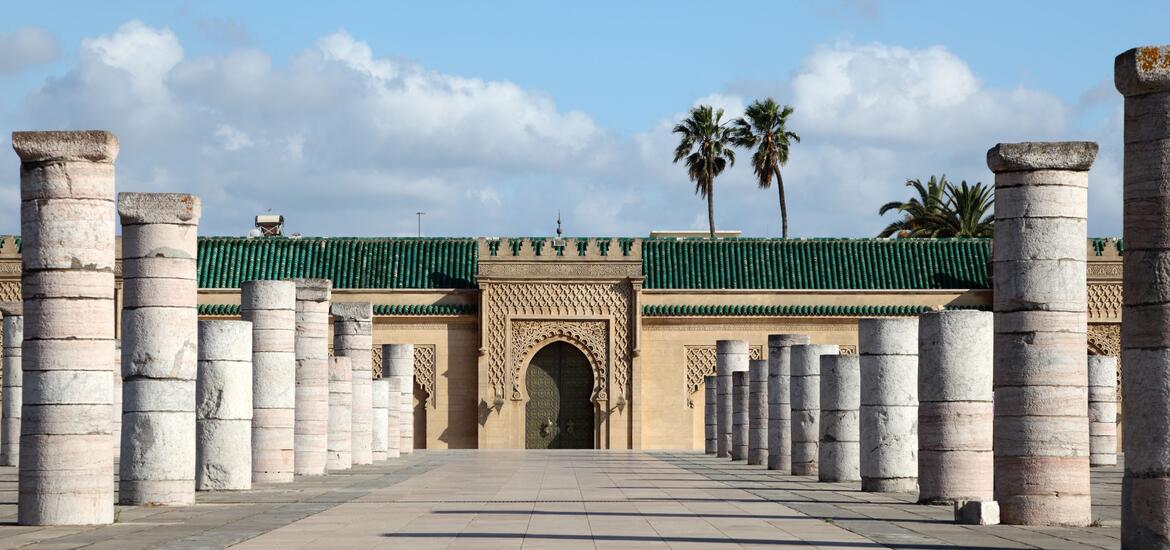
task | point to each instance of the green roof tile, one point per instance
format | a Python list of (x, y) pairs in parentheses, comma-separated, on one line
[(742, 310)]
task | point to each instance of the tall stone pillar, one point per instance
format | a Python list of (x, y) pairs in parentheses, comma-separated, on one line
[(888, 350), (838, 457), (730, 355), (380, 419), (1102, 410), (67, 281), (779, 400), (710, 426), (160, 334), (340, 413), (1142, 75), (398, 363), (271, 307), (1041, 434), (353, 337), (739, 414), (311, 415), (955, 409), (805, 400), (223, 407), (758, 411), (116, 409), (393, 417), (11, 398)]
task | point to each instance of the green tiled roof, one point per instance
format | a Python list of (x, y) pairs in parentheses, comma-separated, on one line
[(225, 262), (219, 309), (379, 309), (816, 263), (786, 311)]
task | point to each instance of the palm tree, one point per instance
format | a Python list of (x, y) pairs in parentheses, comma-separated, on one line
[(706, 146), (918, 211), (943, 209), (966, 211), (764, 126)]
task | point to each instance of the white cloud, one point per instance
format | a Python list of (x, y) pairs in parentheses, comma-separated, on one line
[(26, 47)]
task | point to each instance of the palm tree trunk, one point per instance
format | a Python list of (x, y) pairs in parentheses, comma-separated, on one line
[(711, 208), (783, 206)]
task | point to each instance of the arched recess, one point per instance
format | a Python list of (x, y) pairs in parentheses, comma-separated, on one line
[(559, 412), (591, 337)]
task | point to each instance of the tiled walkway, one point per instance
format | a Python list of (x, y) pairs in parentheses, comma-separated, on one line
[(570, 499)]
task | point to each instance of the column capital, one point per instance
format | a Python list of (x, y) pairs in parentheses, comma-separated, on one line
[(164, 208), (87, 145), (1042, 155), (359, 311), (1142, 70)]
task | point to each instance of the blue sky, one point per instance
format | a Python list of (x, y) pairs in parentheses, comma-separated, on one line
[(350, 116)]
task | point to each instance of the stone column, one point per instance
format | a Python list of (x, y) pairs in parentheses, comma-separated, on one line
[(1041, 417), (11, 398), (779, 400), (311, 416), (1102, 410), (160, 334), (393, 417), (710, 426), (739, 414), (398, 362), (805, 400), (838, 457), (380, 419), (1142, 75), (730, 355), (955, 409), (67, 218), (340, 413), (758, 411), (116, 409), (353, 337), (888, 350), (271, 307), (223, 407)]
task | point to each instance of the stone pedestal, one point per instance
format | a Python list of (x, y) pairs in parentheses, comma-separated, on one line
[(739, 414), (160, 336), (779, 399), (888, 350), (838, 457), (353, 337), (805, 401), (730, 355), (271, 307), (311, 415), (710, 425), (1102, 410), (223, 407), (340, 413), (116, 409), (380, 419), (1041, 422), (13, 380), (67, 282), (393, 417), (955, 409), (758, 411), (1142, 75), (398, 363)]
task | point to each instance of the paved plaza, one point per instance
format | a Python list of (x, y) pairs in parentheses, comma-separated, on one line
[(561, 499)]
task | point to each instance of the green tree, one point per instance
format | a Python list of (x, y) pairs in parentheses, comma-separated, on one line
[(967, 211), (942, 209), (705, 145), (764, 126)]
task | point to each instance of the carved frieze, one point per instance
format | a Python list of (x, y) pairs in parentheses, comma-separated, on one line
[(1105, 302), (592, 337)]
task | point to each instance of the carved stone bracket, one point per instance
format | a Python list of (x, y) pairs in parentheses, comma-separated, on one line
[(700, 363), (592, 337)]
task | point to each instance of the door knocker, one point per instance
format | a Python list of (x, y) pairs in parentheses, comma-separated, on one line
[(570, 425), (546, 427)]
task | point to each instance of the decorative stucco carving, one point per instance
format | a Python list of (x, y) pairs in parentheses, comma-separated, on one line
[(846, 349), (1104, 270), (1105, 302), (700, 363), (425, 372), (10, 291), (592, 337)]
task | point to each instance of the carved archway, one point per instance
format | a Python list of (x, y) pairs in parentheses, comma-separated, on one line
[(589, 336)]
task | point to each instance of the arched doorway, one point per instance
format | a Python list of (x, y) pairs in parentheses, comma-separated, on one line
[(559, 412)]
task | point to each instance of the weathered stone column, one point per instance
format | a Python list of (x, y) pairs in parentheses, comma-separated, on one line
[(116, 409), (340, 413), (710, 424), (271, 307), (67, 282), (223, 407), (380, 419), (955, 409), (311, 422), (739, 414), (805, 400), (1102, 410), (1142, 75), (353, 337), (779, 400), (160, 334), (838, 457), (730, 355), (758, 411), (10, 422), (393, 417), (1041, 435), (888, 359), (398, 362)]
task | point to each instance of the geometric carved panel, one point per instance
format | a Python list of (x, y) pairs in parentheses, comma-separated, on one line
[(700, 363)]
